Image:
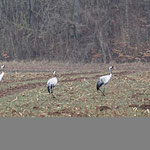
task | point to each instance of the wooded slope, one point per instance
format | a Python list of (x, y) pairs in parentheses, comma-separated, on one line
[(75, 30)]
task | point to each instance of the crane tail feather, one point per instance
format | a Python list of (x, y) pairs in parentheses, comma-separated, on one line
[(48, 88), (98, 85)]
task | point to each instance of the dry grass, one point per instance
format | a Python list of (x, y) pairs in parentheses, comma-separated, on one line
[(24, 94), (40, 66)]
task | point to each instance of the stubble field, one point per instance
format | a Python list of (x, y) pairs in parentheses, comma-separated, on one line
[(23, 91)]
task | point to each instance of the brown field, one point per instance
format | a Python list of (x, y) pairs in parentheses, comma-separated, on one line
[(23, 91)]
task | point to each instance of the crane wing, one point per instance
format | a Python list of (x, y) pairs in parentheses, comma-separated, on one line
[(105, 79), (52, 81), (1, 75)]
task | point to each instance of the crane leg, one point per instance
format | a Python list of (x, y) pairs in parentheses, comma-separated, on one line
[(52, 93), (102, 92)]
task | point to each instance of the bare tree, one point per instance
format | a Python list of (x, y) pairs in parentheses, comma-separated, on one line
[(75, 30)]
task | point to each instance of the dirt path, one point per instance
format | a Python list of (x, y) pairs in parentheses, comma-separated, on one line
[(18, 89)]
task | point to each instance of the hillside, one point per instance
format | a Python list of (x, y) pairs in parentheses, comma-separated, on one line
[(75, 30)]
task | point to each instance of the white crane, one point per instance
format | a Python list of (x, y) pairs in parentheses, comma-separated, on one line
[(104, 80), (2, 74), (51, 83)]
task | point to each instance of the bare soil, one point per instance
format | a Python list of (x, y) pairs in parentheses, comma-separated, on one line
[(19, 89)]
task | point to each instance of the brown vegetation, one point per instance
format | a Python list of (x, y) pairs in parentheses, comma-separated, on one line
[(75, 30)]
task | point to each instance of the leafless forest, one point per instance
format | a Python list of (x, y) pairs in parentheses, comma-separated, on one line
[(75, 30)]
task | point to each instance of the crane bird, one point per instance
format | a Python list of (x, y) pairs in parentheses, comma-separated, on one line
[(104, 80), (2, 74), (51, 83)]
